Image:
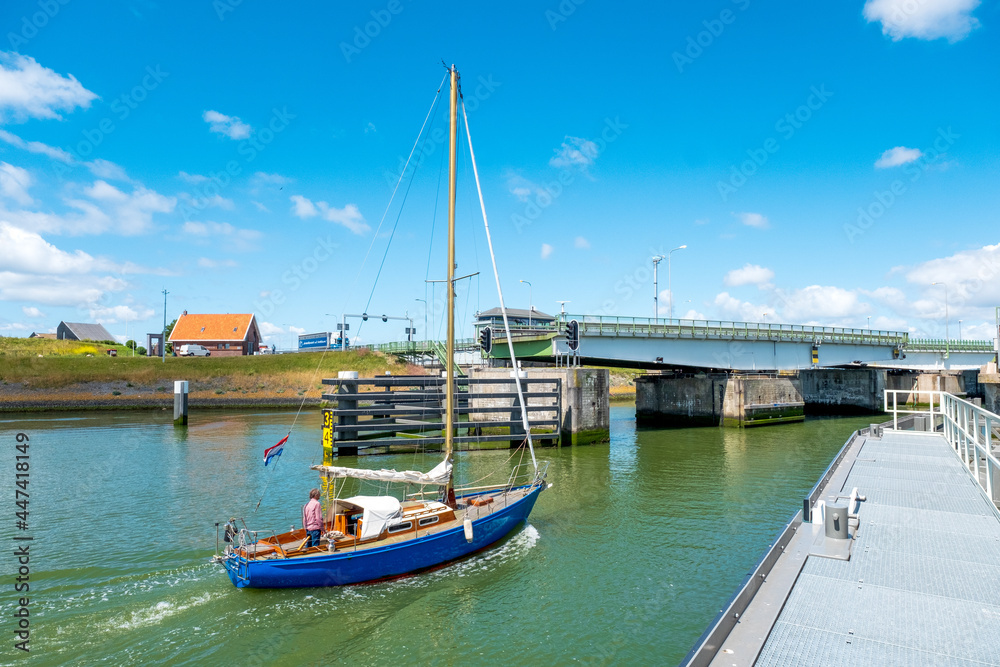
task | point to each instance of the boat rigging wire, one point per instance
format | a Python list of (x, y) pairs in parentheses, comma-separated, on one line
[(503, 308)]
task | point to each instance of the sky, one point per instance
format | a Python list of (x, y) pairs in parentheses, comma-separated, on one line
[(824, 163)]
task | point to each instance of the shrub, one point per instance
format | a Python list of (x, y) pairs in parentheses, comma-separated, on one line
[(116, 393)]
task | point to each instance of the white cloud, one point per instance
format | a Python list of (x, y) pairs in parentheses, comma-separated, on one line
[(303, 208), (581, 243), (260, 207), (575, 152), (27, 252), (206, 263), (215, 201), (119, 314), (28, 90), (193, 179), (897, 156), (972, 277), (14, 183), (741, 311), (821, 304), (107, 169), (34, 270), (349, 216), (296, 330), (923, 19), (370, 128), (753, 220), (693, 314), (546, 250), (36, 147), (522, 188), (750, 274), (231, 126), (31, 311), (236, 238), (262, 178)]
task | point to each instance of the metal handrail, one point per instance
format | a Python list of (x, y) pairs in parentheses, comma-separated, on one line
[(602, 325), (967, 427)]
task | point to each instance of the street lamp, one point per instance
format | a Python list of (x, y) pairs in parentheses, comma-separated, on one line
[(424, 301), (656, 290), (529, 302), (947, 351), (960, 329), (670, 290), (869, 322)]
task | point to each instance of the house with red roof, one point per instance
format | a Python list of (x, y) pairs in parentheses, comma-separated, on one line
[(223, 335)]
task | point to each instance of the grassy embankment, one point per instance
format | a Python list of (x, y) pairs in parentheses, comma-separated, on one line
[(34, 371)]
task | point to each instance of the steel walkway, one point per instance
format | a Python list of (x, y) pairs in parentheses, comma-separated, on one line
[(917, 582)]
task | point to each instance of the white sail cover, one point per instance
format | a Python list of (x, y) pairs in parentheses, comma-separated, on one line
[(379, 512), (439, 475)]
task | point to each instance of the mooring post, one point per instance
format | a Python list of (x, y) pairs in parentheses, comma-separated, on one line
[(180, 403), (345, 386)]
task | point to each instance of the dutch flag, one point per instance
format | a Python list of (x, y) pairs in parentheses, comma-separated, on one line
[(275, 451)]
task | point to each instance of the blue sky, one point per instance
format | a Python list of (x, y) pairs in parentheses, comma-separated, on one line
[(822, 164)]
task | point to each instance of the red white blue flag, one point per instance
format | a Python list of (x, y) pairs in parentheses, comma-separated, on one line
[(275, 451)]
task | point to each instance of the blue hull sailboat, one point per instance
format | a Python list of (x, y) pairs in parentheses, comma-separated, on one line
[(368, 538)]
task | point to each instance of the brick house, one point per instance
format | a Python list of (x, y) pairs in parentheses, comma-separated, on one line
[(223, 335)]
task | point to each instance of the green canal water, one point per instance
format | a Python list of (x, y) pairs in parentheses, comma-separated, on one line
[(625, 560)]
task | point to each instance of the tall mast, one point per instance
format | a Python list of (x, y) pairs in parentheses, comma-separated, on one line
[(449, 420)]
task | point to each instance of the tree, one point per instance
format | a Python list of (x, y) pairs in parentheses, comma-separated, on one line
[(141, 351), (130, 344), (166, 336)]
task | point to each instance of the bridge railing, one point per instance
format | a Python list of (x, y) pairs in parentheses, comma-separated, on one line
[(601, 325), (970, 430), (942, 345), (419, 346)]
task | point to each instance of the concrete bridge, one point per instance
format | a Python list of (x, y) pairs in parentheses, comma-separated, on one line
[(736, 346)]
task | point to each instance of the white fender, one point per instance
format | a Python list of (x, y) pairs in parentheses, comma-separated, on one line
[(468, 529)]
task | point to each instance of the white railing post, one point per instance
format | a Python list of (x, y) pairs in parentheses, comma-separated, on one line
[(975, 442), (895, 414)]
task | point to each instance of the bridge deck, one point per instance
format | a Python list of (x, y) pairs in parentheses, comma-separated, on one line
[(922, 585)]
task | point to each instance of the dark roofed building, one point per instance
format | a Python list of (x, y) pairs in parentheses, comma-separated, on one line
[(82, 331), (35, 334)]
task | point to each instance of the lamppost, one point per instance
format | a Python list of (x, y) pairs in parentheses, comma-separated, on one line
[(656, 290), (529, 302), (869, 322), (670, 290), (426, 334), (947, 351), (960, 329), (163, 341)]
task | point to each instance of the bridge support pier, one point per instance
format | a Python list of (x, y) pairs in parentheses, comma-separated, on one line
[(585, 400), (717, 399)]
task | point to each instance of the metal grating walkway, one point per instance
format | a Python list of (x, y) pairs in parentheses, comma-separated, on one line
[(922, 586)]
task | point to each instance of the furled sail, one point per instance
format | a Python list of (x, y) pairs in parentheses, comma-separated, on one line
[(439, 475)]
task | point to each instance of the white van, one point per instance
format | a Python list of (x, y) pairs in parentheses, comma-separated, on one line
[(193, 351)]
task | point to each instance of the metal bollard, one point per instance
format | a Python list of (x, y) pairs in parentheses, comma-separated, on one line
[(180, 403), (836, 521)]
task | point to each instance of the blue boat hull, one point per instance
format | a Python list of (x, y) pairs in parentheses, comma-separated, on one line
[(353, 567)]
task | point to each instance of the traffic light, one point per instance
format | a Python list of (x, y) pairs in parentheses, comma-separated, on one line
[(573, 334), (486, 340), (364, 316), (385, 318)]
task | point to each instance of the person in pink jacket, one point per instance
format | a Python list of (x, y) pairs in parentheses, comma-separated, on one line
[(312, 518)]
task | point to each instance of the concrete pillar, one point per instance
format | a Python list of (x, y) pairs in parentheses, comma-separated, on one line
[(585, 400), (717, 399), (843, 390), (180, 403)]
